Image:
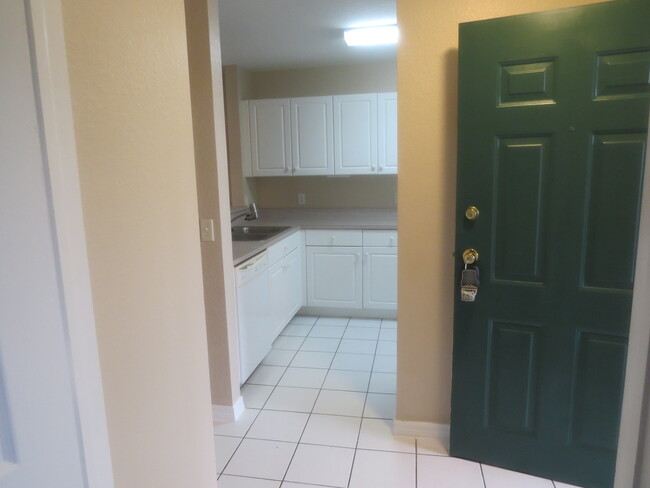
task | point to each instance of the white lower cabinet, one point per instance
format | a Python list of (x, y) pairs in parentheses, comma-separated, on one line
[(285, 281), (334, 277), (380, 278), (351, 269), (286, 291)]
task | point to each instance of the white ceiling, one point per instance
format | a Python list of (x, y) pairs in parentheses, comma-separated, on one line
[(280, 34)]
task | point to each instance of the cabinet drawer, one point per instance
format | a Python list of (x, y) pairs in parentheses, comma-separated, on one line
[(333, 238), (280, 249), (380, 238)]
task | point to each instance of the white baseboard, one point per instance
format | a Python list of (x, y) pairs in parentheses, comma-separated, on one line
[(349, 312), (228, 413), (421, 429)]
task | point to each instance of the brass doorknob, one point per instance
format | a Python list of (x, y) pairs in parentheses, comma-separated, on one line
[(471, 213), (470, 256)]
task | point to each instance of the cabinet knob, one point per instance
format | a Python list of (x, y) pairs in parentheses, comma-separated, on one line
[(381, 168)]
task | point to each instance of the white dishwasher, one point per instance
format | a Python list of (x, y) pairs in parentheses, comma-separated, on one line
[(253, 313)]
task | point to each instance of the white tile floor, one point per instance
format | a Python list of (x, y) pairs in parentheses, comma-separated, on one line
[(319, 412)]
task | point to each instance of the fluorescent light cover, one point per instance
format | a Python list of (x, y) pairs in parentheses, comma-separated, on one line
[(371, 36)]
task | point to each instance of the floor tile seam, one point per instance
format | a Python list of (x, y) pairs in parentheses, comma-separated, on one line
[(248, 477), (385, 450), (482, 475), (355, 339), (311, 412), (326, 445), (365, 402), (225, 466), (316, 413), (416, 462), (272, 440), (432, 455)]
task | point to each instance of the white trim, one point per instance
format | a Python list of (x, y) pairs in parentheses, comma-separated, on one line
[(59, 140), (373, 313), (228, 413), (629, 457), (423, 429)]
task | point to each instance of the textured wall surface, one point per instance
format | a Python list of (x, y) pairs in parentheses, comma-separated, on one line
[(212, 186), (131, 102), (427, 90)]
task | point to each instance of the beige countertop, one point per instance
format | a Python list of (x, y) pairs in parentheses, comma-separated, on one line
[(306, 218)]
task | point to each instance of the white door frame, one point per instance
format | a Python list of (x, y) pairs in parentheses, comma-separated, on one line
[(629, 455), (48, 52)]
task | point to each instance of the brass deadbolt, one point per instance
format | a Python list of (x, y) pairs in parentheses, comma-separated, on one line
[(471, 213)]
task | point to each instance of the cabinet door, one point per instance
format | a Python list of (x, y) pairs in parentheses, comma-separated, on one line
[(294, 280), (380, 278), (270, 127), (355, 134), (312, 141), (277, 295), (387, 138), (334, 277), (285, 281), (245, 138)]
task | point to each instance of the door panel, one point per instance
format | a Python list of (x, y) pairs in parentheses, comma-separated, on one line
[(512, 381), (599, 381), (519, 236), (553, 113), (613, 210)]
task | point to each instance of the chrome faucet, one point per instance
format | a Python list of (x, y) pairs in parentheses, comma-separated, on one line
[(250, 212)]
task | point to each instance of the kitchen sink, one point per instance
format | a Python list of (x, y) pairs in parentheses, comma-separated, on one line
[(256, 233)]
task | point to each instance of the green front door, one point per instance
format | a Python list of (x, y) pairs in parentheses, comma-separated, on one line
[(553, 115)]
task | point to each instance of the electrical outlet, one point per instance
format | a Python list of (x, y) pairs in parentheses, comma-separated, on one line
[(301, 198), (207, 230)]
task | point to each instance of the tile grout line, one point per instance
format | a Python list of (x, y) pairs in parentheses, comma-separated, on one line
[(312, 407), (365, 401), (482, 475), (416, 462), (258, 413)]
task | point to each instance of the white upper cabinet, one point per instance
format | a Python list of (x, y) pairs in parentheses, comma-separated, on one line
[(387, 140), (312, 130), (342, 135), (270, 132), (245, 137), (355, 134)]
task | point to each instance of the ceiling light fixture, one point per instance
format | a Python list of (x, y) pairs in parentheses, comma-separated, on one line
[(371, 36)]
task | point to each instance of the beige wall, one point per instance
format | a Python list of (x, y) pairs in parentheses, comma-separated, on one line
[(324, 192), (237, 87), (321, 191), (213, 197), (332, 80), (427, 81), (130, 94)]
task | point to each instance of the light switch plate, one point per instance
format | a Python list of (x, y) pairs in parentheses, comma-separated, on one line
[(207, 230)]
